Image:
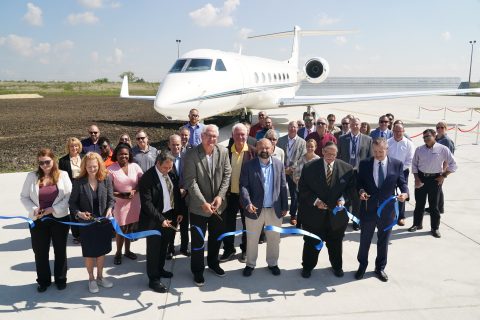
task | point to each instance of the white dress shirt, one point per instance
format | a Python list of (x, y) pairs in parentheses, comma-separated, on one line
[(402, 150), (375, 169), (166, 194)]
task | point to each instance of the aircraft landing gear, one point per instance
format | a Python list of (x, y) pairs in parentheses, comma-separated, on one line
[(308, 113), (246, 116)]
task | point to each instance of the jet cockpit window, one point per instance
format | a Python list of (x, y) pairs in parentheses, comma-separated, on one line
[(199, 65), (219, 66), (178, 66)]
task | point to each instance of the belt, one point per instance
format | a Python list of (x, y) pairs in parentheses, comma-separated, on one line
[(430, 175)]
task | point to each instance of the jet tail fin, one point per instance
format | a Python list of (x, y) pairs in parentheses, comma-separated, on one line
[(124, 93)]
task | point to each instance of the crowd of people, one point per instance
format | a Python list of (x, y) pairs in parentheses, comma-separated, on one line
[(318, 173)]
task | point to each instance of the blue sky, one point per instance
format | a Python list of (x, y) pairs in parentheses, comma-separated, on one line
[(88, 39)]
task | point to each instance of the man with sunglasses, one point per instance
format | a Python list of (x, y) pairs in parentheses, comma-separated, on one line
[(91, 144), (432, 163), (307, 129), (195, 128), (382, 131), (332, 128), (143, 153), (321, 136), (345, 129)]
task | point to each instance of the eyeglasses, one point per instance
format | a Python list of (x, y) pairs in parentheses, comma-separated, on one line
[(440, 127), (141, 138), (331, 120), (44, 163), (194, 115), (345, 123), (93, 132), (384, 121), (321, 123), (301, 125)]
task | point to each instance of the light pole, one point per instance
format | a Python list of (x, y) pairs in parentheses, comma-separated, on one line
[(178, 47), (472, 42)]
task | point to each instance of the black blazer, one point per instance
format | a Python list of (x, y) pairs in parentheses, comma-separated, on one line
[(64, 164), (313, 185), (81, 197), (151, 197)]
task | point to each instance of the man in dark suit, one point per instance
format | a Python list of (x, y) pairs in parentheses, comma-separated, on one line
[(352, 148), (159, 196), (382, 131), (324, 184), (239, 153), (263, 194), (378, 177), (307, 129), (206, 177)]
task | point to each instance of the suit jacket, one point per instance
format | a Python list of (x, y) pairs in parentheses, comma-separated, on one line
[(376, 134), (251, 187), (313, 185), (65, 165), (394, 178), (301, 132), (364, 148), (298, 149), (30, 189), (203, 185), (151, 198), (81, 197)]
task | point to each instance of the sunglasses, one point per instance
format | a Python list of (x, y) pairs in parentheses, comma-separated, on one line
[(93, 132), (331, 120), (194, 115), (427, 137), (141, 138), (321, 123), (345, 123), (440, 127), (44, 163), (384, 121)]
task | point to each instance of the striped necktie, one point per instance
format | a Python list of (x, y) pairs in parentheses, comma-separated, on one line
[(329, 174), (169, 184)]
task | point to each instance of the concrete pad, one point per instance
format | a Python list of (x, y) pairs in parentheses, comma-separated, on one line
[(429, 278)]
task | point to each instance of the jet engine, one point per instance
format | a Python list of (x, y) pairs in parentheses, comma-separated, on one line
[(316, 70)]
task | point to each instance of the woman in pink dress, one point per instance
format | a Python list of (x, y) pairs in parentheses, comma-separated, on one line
[(125, 176)]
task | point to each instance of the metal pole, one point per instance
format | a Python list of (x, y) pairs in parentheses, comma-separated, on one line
[(418, 112), (478, 131), (456, 132), (471, 56), (445, 113)]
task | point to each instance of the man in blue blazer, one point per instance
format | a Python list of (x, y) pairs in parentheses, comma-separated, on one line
[(263, 194), (378, 177), (382, 131)]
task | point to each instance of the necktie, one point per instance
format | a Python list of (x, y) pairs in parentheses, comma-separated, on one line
[(381, 174), (329, 174), (382, 135), (170, 189)]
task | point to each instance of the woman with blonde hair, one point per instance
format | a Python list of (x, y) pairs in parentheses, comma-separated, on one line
[(46, 192), (92, 198), (125, 138)]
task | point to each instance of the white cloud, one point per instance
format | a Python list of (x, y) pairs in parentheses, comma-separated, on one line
[(94, 56), (243, 33), (340, 40), (42, 48), (325, 20), (92, 4), (18, 44), (82, 18), (446, 35), (358, 48), (117, 56), (64, 46), (33, 15), (209, 15)]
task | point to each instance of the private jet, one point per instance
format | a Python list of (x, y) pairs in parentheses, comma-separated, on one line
[(217, 82)]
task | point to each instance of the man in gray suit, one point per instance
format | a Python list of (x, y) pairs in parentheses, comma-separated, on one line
[(354, 147), (207, 178), (294, 148), (263, 194)]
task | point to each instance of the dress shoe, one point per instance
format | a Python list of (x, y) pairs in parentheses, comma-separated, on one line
[(415, 228), (169, 256), (165, 274), (243, 257), (381, 275), (199, 279), (42, 288), (247, 272), (275, 270), (355, 226), (293, 221), (227, 255), (306, 273), (185, 252), (158, 287), (360, 273), (217, 270), (338, 272), (61, 285), (436, 233), (401, 222)]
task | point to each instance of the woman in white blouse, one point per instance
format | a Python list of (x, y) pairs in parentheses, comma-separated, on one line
[(46, 192)]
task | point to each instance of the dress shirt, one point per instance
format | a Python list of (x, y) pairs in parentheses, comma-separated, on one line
[(375, 169), (402, 150), (267, 170), (447, 142), (145, 158), (89, 146), (430, 160), (195, 133), (166, 194), (236, 163)]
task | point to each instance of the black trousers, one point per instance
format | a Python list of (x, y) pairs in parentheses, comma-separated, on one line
[(157, 250), (441, 207), (430, 189), (292, 188), (401, 205), (184, 237), (383, 237), (75, 229), (215, 228), (233, 206), (42, 234), (321, 227)]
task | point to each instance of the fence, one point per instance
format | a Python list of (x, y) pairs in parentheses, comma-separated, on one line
[(471, 110)]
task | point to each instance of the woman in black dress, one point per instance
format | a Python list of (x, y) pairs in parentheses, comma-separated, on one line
[(91, 198)]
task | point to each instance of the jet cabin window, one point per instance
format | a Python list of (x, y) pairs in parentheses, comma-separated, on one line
[(178, 66), (219, 66), (199, 65)]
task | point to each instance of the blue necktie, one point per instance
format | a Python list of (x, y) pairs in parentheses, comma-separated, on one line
[(382, 135), (381, 175)]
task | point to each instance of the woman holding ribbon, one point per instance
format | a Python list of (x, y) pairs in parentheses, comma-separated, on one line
[(45, 193), (91, 199), (125, 176)]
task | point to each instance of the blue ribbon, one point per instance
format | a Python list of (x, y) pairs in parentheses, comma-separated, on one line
[(233, 233), (382, 206), (30, 221), (350, 215), (200, 232), (133, 235), (296, 231)]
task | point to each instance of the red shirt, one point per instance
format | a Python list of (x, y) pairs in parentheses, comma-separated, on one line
[(254, 129), (321, 142)]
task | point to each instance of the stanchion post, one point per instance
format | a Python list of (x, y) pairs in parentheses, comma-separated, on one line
[(456, 132), (445, 113), (418, 117), (471, 114), (478, 131)]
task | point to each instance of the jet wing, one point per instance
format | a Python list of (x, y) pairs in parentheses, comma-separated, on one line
[(125, 94), (313, 100)]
